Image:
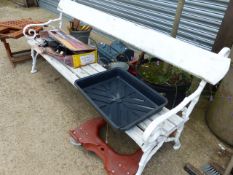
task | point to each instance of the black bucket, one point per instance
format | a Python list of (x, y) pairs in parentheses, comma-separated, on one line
[(81, 35), (174, 93)]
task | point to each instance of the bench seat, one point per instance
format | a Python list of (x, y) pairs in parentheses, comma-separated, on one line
[(136, 133)]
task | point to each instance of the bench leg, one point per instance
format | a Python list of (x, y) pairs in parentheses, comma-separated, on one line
[(177, 144), (143, 162), (34, 55), (147, 156)]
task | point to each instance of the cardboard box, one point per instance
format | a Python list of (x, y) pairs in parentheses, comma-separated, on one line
[(73, 52), (82, 59)]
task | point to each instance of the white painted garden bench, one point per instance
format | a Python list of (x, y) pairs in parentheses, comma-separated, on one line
[(166, 126)]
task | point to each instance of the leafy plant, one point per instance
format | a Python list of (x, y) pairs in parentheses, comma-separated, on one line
[(153, 71)]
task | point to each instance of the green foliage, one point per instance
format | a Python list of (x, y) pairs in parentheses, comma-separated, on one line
[(153, 72)]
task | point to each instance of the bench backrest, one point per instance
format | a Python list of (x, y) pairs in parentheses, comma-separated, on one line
[(201, 63)]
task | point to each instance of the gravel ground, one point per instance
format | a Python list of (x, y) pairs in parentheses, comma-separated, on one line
[(37, 111)]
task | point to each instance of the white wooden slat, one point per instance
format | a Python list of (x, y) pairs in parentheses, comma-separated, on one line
[(143, 125), (66, 73), (164, 110), (168, 127), (176, 120), (197, 61), (146, 122), (88, 69), (136, 134), (97, 67), (79, 72)]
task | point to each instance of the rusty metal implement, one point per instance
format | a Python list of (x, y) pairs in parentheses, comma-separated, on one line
[(115, 164)]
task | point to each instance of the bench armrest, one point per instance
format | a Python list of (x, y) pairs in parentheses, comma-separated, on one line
[(191, 100), (30, 33)]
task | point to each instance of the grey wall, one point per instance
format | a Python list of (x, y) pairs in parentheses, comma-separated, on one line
[(200, 20)]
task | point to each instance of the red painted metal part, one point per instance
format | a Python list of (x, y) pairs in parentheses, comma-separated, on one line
[(115, 164)]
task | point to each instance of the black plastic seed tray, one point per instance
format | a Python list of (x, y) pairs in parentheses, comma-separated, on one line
[(122, 99)]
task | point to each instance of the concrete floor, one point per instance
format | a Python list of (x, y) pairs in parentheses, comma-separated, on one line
[(37, 111)]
